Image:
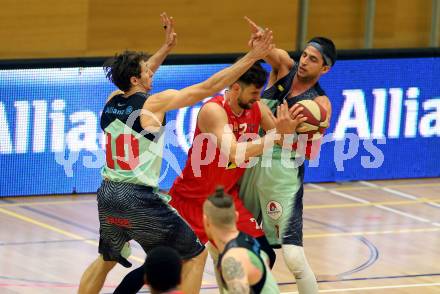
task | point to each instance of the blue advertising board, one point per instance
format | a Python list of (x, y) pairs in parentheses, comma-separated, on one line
[(385, 124)]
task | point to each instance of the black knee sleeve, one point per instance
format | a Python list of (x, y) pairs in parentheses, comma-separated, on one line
[(265, 246)]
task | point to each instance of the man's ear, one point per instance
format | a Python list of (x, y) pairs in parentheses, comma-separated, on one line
[(134, 81), (235, 87), (325, 69)]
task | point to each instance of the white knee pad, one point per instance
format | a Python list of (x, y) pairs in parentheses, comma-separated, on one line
[(295, 260)]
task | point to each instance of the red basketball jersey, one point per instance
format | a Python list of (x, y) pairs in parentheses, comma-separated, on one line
[(206, 167)]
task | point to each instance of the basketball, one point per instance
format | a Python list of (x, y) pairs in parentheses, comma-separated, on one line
[(316, 118)]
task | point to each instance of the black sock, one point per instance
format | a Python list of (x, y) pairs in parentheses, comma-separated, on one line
[(132, 282), (265, 246)]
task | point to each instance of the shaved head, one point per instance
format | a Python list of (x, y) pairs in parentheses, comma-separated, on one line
[(220, 209)]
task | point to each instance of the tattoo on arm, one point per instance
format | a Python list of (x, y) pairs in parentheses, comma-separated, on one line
[(234, 276), (237, 287), (232, 269)]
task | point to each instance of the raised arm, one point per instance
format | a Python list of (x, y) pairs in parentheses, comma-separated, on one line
[(157, 58), (172, 99), (279, 59), (170, 41)]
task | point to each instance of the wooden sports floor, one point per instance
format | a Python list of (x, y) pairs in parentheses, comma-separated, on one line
[(360, 237)]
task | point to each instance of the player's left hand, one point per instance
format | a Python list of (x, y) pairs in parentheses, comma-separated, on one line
[(170, 34), (287, 119), (295, 114), (256, 31)]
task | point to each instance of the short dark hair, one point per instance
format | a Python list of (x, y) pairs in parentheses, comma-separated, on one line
[(120, 68), (328, 47), (163, 267), (256, 75)]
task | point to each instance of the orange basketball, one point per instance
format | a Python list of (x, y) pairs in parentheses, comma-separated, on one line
[(316, 117)]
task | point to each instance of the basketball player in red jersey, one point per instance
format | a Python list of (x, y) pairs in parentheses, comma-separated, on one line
[(237, 114), (223, 123)]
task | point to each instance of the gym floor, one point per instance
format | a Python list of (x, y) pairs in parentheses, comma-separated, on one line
[(360, 237)]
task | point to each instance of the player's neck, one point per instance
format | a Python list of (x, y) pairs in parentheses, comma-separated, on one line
[(222, 237), (305, 81), (134, 90), (300, 85), (233, 104)]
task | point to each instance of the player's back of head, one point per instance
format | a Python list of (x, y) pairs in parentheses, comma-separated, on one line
[(220, 209), (163, 267), (120, 68), (256, 75)]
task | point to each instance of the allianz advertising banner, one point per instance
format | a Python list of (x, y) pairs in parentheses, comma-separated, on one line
[(385, 124)]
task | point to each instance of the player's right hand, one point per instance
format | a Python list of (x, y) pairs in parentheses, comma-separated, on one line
[(170, 34)]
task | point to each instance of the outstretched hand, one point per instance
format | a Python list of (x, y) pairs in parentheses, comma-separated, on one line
[(256, 31), (168, 25), (263, 45)]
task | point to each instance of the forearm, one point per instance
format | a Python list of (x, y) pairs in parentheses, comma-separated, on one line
[(243, 151), (195, 93), (273, 58), (157, 58), (229, 75), (279, 59)]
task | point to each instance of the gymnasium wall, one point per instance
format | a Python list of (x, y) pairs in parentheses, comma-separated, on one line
[(86, 28), (385, 124)]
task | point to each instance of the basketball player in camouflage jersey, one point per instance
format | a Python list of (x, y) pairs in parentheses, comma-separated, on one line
[(128, 203), (275, 194)]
